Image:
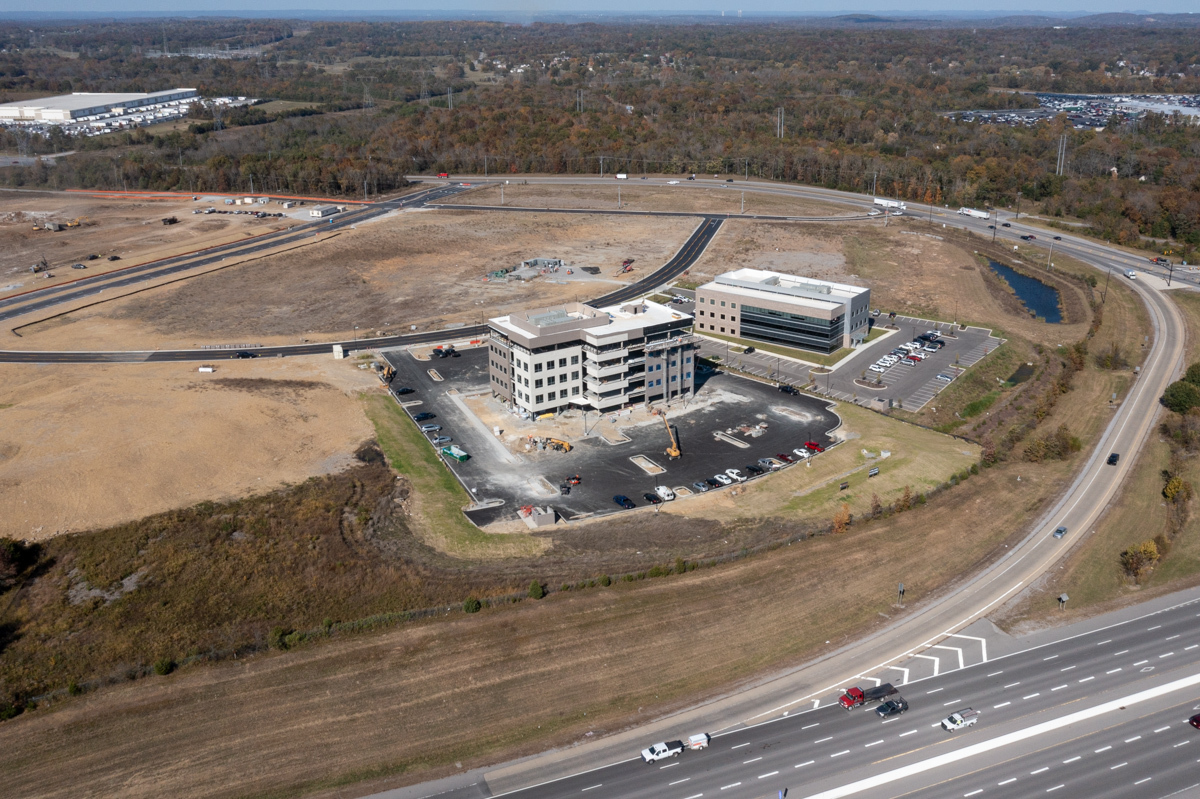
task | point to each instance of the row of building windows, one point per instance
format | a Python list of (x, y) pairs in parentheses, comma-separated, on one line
[(732, 318), (714, 302)]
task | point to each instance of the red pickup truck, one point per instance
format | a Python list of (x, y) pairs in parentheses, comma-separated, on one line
[(857, 696)]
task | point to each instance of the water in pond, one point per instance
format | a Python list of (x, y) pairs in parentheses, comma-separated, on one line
[(1037, 296)]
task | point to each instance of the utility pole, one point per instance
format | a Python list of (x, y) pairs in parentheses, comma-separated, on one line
[(450, 99), (485, 166), (601, 166), (743, 202), (618, 196), (1104, 296), (874, 175), (1049, 264), (995, 226), (1018, 205)]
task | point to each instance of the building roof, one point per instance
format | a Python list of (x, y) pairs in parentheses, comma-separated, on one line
[(601, 322), (801, 291), (83, 100), (758, 294)]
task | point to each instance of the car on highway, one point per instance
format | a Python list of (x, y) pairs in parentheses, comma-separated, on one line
[(1059, 532), (700, 487), (662, 751), (624, 501), (723, 479), (892, 707), (960, 720), (1195, 721), (402, 390), (421, 417), (736, 475), (676, 182), (1005, 224), (430, 428), (1058, 238), (437, 441), (653, 499), (1027, 238), (814, 446), (78, 266), (244, 354), (1113, 458)]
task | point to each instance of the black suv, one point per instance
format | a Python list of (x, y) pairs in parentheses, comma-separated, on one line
[(244, 354), (421, 417), (786, 389), (403, 390), (1113, 458)]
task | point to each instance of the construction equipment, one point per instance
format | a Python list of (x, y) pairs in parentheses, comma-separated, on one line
[(78, 221), (387, 374), (673, 450), (170, 220), (626, 266), (559, 444), (574, 480)]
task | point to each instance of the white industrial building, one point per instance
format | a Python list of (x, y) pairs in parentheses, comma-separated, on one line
[(73, 107)]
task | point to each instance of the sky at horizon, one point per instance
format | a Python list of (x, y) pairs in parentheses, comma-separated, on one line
[(535, 9)]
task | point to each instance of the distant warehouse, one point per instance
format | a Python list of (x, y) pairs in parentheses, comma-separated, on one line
[(70, 107), (784, 309)]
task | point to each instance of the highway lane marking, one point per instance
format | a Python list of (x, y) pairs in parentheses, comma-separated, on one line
[(994, 673), (1140, 662), (1160, 657), (1002, 704), (1012, 685), (1155, 627), (1031, 696), (752, 760), (802, 765), (935, 690), (1053, 725), (1059, 688), (1039, 771), (1102, 643), (1068, 668), (764, 776), (585, 790), (1190, 648), (1052, 657), (1114, 671), (810, 726), (1119, 765), (1134, 738), (1085, 679), (695, 796), (823, 740), (839, 754), (1007, 781), (1181, 743), (669, 765), (910, 732), (739, 746), (875, 743), (1139, 782), (727, 787), (1170, 637), (951, 702), (1055, 788), (1122, 652), (678, 782), (1073, 759), (1103, 749), (1160, 729), (972, 793)]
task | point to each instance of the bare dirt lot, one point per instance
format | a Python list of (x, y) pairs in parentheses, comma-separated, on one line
[(637, 196), (131, 229), (426, 268), (87, 446)]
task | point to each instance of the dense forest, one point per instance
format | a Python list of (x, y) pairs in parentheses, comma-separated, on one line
[(844, 108)]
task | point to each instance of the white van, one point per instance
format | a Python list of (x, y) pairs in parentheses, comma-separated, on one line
[(1132, 275), (664, 493)]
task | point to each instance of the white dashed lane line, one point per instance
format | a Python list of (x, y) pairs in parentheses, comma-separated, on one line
[(1134, 738), (1085, 679), (764, 776), (1007, 781), (1059, 688), (1139, 782), (1068, 668), (911, 732), (810, 726), (1103, 749), (1155, 627), (1002, 704), (1114, 671), (1119, 765), (972, 793), (669, 765), (839, 754), (739, 746), (807, 763), (1012, 685), (678, 782), (823, 740), (1073, 759), (1163, 729), (727, 787), (1052, 657), (1122, 652), (951, 702), (1055, 788), (1031, 696), (751, 760), (873, 743), (1039, 771)]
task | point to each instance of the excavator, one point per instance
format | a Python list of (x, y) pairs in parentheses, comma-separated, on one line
[(673, 450)]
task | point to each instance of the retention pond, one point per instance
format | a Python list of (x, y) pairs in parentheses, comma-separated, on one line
[(1038, 297)]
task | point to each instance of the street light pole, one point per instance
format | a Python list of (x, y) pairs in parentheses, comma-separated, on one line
[(1018, 206)]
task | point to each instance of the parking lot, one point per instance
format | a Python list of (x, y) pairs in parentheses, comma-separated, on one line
[(711, 432)]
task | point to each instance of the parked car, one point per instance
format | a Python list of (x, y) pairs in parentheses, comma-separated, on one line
[(801, 453), (723, 479), (1026, 238), (753, 470), (439, 440), (736, 475), (877, 368), (624, 502), (786, 389), (402, 390), (748, 351), (785, 457), (421, 417), (1060, 532), (700, 487), (651, 498), (1113, 458), (713, 482), (914, 358), (945, 378), (664, 493), (814, 446), (430, 428)]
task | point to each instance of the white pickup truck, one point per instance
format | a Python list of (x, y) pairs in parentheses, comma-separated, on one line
[(662, 751), (960, 720)]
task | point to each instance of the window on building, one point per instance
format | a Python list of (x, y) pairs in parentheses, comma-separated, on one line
[(722, 330), (722, 305), (687, 375), (733, 305), (537, 383), (550, 380), (732, 318), (562, 394), (574, 391), (537, 367), (722, 317), (674, 378), (562, 362), (537, 400), (575, 375), (526, 380), (574, 360), (688, 359)]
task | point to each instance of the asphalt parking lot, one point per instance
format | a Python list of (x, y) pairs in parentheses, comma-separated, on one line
[(502, 482)]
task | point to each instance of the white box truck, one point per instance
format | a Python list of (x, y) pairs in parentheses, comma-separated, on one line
[(622, 176), (890, 205), (974, 213)]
